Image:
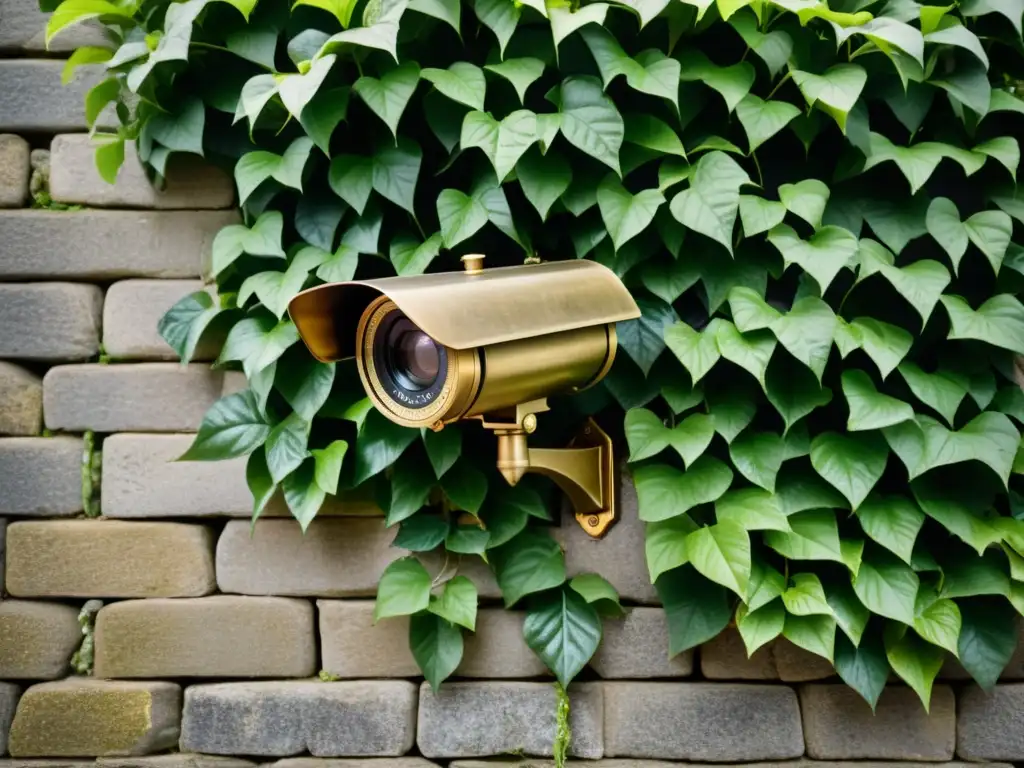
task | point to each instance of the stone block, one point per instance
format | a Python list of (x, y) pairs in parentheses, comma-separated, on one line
[(839, 724), (637, 646), (491, 718), (619, 556), (990, 725), (131, 311), (80, 717), (37, 639), (21, 401), (23, 27), (703, 722), (342, 557), (14, 167), (354, 762), (50, 321), (795, 665), (42, 476), (33, 100), (192, 183), (3, 557), (135, 397), (174, 760), (218, 636), (109, 558), (725, 658), (604, 763), (104, 245), (9, 694), (353, 646), (365, 718)]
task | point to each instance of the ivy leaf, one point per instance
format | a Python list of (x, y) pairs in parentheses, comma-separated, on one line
[(380, 443), (389, 95), (807, 199), (297, 91), (974, 8), (887, 34), (531, 562), (920, 283), (887, 586), (733, 83), (710, 204), (597, 591), (869, 408), (665, 492), (411, 257), (763, 119), (183, 325), (835, 91), (503, 142), (404, 589), (410, 488), (443, 448), (998, 321), (467, 540), (421, 533), (828, 251), (327, 465), (256, 167), (447, 11), (806, 596), (461, 216), (566, 18), (665, 544), (988, 638), (650, 72), (749, 311), (814, 535), (643, 339), (626, 215), (695, 608), (990, 231), (233, 426), (884, 343), (773, 48), (760, 626), (462, 82), (564, 630), (863, 667), (721, 552), (751, 351), (651, 133), (302, 495), (590, 121), (852, 464), (286, 446), (916, 662), (806, 331), (937, 620), (816, 634), (521, 72), (436, 645), (893, 522), (758, 457), (759, 215), (794, 392), (544, 179), (941, 390), (501, 17), (850, 613), (696, 350)]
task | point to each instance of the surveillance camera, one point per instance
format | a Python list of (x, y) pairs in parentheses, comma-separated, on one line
[(486, 344)]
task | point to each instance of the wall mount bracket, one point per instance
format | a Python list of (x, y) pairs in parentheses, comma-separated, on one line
[(584, 470)]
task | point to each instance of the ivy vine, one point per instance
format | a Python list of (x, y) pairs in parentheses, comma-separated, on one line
[(813, 202)]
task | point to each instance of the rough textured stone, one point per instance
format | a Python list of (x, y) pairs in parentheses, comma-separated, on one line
[(341, 557), (136, 397), (353, 646), (9, 694), (365, 718), (109, 558), (131, 311), (991, 723), (32, 98), (50, 321), (637, 646), (604, 763), (21, 401), (725, 658), (619, 556), (41, 476), (100, 245), (86, 718), (706, 722), (479, 719), (218, 636), (176, 760), (354, 762), (839, 724), (23, 27), (36, 639), (14, 166), (3, 558), (192, 184)]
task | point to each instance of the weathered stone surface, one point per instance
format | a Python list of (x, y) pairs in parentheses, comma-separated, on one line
[(365, 718), (175, 760), (353, 646), (218, 636), (192, 184), (491, 718), (991, 724), (23, 27), (46, 763), (21, 401), (14, 166), (36, 639), (80, 717), (32, 98), (50, 321), (41, 476), (354, 762), (136, 397), (131, 311), (3, 557), (109, 558), (619, 556), (725, 658), (142, 479), (101, 245), (9, 694), (705, 722), (839, 724), (637, 646), (341, 557)]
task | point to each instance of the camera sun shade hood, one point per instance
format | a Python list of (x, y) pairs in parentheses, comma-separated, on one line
[(462, 310)]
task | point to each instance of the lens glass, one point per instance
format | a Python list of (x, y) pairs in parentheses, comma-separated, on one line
[(414, 357)]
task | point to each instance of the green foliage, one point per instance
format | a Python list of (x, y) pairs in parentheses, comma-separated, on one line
[(814, 205)]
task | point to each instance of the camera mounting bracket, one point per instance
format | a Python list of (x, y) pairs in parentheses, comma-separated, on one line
[(584, 470)]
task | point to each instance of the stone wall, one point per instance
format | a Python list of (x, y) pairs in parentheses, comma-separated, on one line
[(217, 646)]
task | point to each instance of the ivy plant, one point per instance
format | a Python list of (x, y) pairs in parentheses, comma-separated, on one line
[(814, 204)]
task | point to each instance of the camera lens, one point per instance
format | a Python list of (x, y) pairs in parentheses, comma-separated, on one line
[(414, 357)]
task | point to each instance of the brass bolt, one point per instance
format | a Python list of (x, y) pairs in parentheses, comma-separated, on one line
[(473, 263), (530, 423), (593, 521)]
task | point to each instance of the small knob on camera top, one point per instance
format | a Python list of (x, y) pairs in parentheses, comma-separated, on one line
[(473, 263)]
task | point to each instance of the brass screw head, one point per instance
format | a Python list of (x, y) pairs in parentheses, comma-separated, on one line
[(593, 521), (473, 263), (530, 423)]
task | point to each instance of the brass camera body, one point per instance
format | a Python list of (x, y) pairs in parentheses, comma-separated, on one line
[(491, 345)]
